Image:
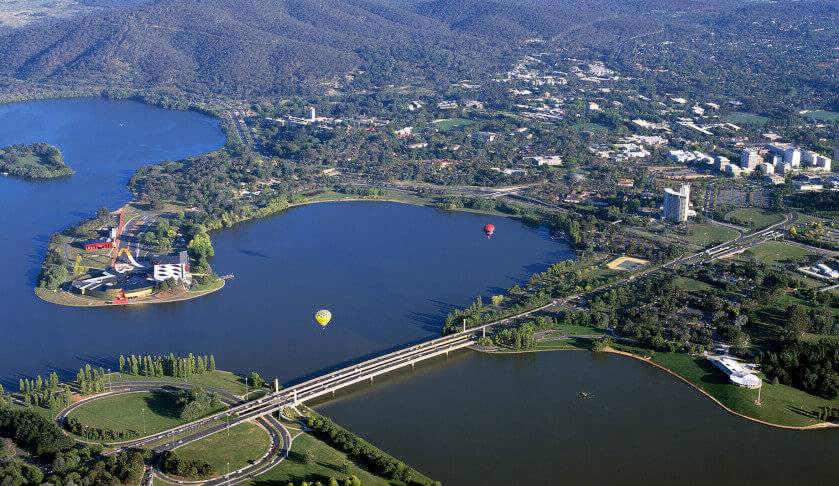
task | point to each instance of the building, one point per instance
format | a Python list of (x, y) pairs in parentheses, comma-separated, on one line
[(676, 205), (737, 372), (549, 160), (750, 159), (406, 132), (165, 267), (98, 245)]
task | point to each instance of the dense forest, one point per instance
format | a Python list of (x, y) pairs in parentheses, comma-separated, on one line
[(35, 161)]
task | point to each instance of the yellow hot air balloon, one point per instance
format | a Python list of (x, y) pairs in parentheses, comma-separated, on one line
[(323, 317)]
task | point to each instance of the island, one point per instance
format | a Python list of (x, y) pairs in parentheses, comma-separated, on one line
[(37, 161)]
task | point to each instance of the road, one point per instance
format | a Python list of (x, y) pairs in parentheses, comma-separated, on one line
[(280, 436)]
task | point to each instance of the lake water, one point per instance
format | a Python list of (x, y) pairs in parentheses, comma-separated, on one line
[(390, 273), (475, 419)]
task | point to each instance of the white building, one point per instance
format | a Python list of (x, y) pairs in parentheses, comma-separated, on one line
[(549, 160), (676, 205), (738, 373), (165, 267)]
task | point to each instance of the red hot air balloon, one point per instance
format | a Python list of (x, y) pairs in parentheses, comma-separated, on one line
[(489, 229)]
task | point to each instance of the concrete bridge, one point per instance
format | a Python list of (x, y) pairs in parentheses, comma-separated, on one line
[(316, 387)]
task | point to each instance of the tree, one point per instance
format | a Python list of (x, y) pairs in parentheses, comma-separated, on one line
[(798, 320), (256, 380)]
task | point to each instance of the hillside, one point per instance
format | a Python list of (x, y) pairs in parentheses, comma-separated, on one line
[(231, 47), (247, 48)]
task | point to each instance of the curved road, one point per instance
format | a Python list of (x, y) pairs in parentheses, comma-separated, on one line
[(280, 436)]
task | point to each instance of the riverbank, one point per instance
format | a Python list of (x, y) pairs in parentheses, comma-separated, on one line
[(781, 406)]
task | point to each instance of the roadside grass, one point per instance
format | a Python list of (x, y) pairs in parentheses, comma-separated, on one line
[(245, 443), (754, 217), (143, 412), (743, 118), (705, 235), (781, 404), (223, 380), (448, 124), (326, 463), (776, 252)]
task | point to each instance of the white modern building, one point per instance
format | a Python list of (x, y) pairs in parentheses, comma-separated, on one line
[(737, 372), (167, 267), (676, 205)]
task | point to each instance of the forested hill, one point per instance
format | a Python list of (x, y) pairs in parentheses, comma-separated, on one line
[(247, 48)]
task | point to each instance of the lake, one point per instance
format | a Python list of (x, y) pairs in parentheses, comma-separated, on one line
[(389, 273), (476, 419)]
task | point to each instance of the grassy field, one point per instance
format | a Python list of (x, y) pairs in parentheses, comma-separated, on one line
[(245, 443), (448, 124), (781, 404), (223, 380), (825, 116), (327, 463), (691, 284), (742, 118), (754, 217), (706, 235), (142, 412), (777, 252)]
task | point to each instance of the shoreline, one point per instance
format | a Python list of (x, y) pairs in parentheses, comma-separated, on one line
[(817, 426), (87, 302), (610, 350)]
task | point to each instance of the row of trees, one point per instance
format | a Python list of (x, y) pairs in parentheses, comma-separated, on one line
[(378, 461), (46, 393), (75, 426), (90, 380), (167, 365)]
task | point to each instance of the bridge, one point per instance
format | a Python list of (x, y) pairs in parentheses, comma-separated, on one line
[(326, 384)]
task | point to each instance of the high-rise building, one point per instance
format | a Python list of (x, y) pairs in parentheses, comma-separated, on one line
[(792, 156), (750, 159), (312, 116), (676, 204)]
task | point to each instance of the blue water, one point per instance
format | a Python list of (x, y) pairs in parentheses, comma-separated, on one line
[(390, 273)]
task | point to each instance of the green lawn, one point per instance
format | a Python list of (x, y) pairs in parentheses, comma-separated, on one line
[(142, 412), (825, 116), (570, 330), (754, 217), (564, 344), (448, 124), (781, 404), (706, 235), (326, 463), (690, 284), (223, 380), (777, 252), (245, 443), (742, 118)]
